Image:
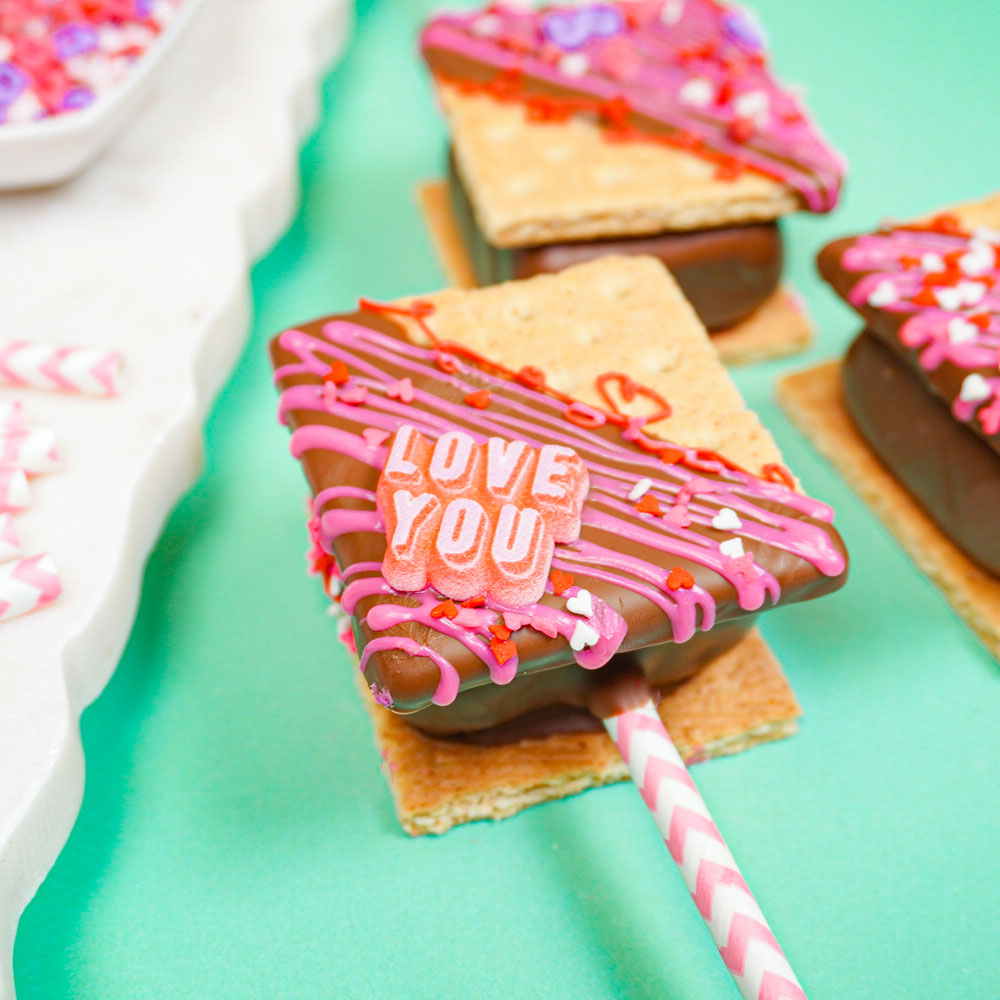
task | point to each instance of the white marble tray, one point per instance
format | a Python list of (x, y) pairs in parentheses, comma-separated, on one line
[(147, 252)]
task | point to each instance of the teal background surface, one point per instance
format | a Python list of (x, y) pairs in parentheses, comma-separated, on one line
[(237, 839)]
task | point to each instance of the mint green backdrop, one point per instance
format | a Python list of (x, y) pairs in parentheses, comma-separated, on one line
[(237, 839)]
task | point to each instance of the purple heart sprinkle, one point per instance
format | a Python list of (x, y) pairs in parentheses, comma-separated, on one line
[(12, 83)]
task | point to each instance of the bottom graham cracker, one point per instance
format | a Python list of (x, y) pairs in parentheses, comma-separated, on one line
[(814, 402), (779, 327), (738, 701)]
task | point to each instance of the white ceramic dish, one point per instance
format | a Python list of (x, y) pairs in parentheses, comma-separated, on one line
[(53, 150), (148, 252)]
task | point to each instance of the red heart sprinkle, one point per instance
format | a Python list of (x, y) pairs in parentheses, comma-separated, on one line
[(532, 377), (503, 651), (474, 602), (649, 505), (337, 374), (679, 579), (560, 581), (500, 631), (479, 399), (671, 455), (446, 609)]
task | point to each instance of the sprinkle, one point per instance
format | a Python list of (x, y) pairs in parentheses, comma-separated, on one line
[(698, 92), (744, 567), (545, 625), (514, 620), (732, 547), (679, 516), (382, 696), (961, 331), (486, 26), (583, 636), (474, 602), (503, 651), (480, 399), (467, 618), (986, 235), (679, 579), (727, 520), (974, 389), (374, 436), (639, 489), (671, 455), (401, 390), (574, 64), (989, 417), (337, 373), (752, 104), (946, 298), (500, 630), (329, 395), (581, 603), (931, 263), (560, 581), (649, 505), (353, 395), (883, 294), (672, 11), (446, 609), (980, 259), (532, 377)]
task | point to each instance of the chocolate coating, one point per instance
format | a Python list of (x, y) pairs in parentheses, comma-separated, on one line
[(950, 470), (724, 273)]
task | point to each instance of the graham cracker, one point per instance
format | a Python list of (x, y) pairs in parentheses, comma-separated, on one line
[(813, 400), (780, 326), (545, 182), (574, 325), (738, 701)]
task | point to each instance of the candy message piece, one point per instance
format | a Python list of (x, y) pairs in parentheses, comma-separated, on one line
[(475, 519)]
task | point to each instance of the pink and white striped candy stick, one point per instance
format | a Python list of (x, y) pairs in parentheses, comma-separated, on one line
[(746, 943), (66, 369), (10, 545), (15, 494), (28, 584), (12, 417), (33, 450)]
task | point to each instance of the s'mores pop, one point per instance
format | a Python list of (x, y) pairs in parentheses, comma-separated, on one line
[(912, 414), (652, 127), (533, 547)]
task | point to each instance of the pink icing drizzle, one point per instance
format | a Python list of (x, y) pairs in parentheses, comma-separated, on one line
[(537, 419)]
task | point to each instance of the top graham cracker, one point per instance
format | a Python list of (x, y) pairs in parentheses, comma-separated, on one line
[(612, 314), (532, 183)]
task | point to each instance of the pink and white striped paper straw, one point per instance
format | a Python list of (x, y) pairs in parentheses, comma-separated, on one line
[(65, 369), (33, 450), (28, 584), (745, 942), (10, 544), (15, 494)]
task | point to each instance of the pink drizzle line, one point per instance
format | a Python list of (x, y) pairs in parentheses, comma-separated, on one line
[(538, 423)]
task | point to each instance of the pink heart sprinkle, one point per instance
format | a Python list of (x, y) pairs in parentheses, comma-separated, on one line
[(545, 625), (353, 395), (401, 390), (467, 617), (677, 515), (329, 394), (374, 437), (514, 621)]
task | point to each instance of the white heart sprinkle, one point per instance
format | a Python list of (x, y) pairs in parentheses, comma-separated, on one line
[(978, 260), (986, 235), (580, 604), (732, 547), (961, 331), (948, 298), (972, 292), (486, 26), (883, 294), (583, 636), (698, 91), (574, 64), (974, 389), (931, 262), (639, 489), (671, 12), (727, 520), (752, 104)]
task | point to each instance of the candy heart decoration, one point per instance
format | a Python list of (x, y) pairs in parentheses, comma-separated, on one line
[(726, 520), (574, 28), (581, 604), (732, 547), (974, 389), (583, 636), (884, 294)]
